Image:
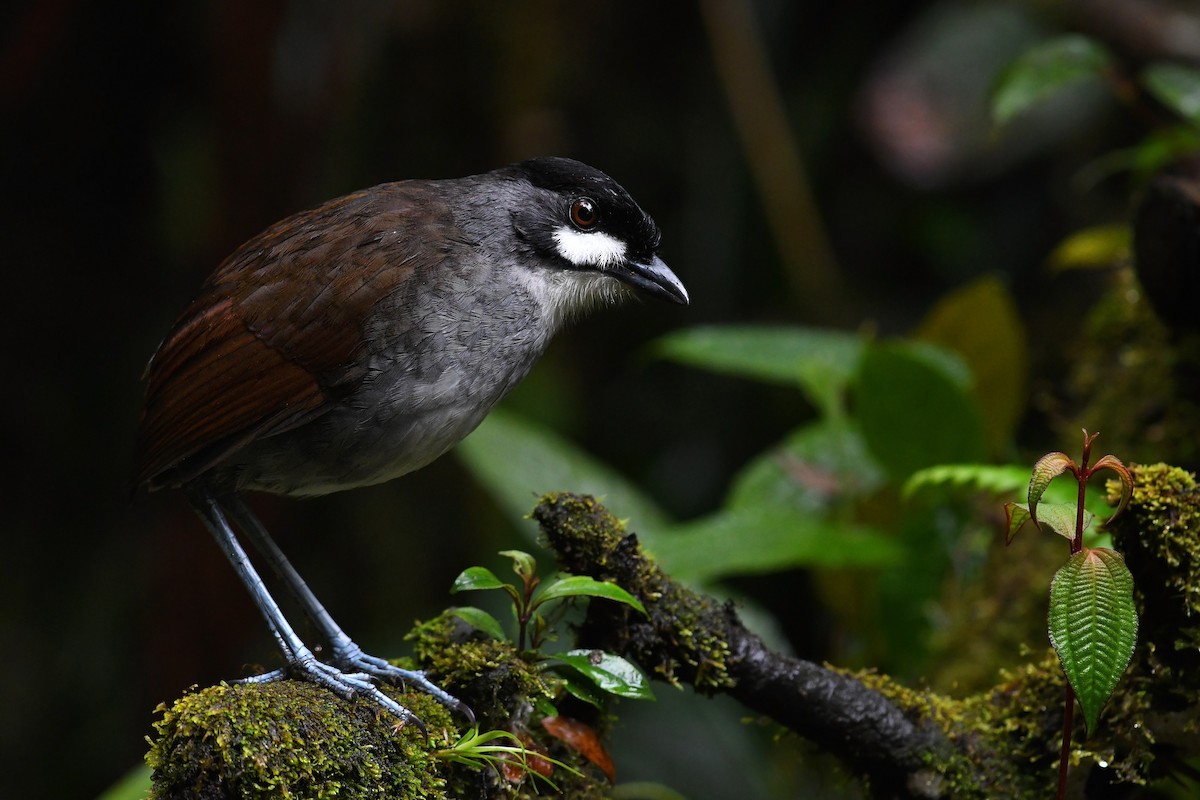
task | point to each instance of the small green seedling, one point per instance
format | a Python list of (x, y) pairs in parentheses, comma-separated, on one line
[(605, 672), (480, 751), (1093, 622)]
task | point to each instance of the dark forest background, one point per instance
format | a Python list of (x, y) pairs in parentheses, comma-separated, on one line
[(824, 164)]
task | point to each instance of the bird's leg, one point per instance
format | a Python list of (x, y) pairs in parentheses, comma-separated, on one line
[(346, 653), (302, 663)]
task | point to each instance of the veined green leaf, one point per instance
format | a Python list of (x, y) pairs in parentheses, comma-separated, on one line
[(473, 578), (1053, 517), (480, 619), (1125, 476), (1060, 518), (524, 564), (583, 689), (1093, 625), (1018, 515), (610, 672), (584, 586), (1047, 468)]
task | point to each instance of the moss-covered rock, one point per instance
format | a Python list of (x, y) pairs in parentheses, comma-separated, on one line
[(1159, 534), (487, 674), (290, 739)]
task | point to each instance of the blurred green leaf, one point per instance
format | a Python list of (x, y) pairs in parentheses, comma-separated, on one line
[(1001, 480), (1154, 152), (821, 362), (914, 410), (518, 461), (1177, 87), (1164, 147), (1043, 70), (584, 586), (1093, 625), (980, 323), (1098, 246), (997, 479), (939, 358), (481, 620), (610, 672), (812, 467), (135, 785), (644, 790), (757, 540)]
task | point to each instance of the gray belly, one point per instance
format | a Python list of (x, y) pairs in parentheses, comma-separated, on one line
[(349, 448), (417, 401)]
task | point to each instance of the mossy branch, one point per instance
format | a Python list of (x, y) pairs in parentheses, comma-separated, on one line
[(918, 744), (292, 739), (691, 638)]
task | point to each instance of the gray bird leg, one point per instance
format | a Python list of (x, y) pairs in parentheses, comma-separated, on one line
[(302, 663), (346, 653)]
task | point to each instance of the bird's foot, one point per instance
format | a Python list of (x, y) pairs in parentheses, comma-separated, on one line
[(355, 673), (349, 683), (351, 658)]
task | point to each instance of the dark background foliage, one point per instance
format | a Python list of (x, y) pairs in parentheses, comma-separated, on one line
[(142, 142)]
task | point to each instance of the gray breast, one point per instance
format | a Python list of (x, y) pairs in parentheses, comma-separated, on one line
[(440, 360)]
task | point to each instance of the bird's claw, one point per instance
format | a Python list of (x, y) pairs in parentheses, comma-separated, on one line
[(355, 675), (351, 657)]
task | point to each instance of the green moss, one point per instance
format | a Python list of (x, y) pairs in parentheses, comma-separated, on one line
[(1124, 350), (290, 739), (1006, 740), (1159, 533), (679, 641), (502, 688), (487, 674), (1008, 736), (955, 772)]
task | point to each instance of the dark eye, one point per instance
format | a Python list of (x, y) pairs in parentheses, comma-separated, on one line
[(584, 214)]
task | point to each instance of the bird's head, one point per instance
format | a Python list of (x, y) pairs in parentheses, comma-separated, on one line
[(587, 235)]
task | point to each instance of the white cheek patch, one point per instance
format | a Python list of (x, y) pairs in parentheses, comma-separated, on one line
[(597, 250)]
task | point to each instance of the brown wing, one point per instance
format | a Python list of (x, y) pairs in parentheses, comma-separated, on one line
[(275, 333)]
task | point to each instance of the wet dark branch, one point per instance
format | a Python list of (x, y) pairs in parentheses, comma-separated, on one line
[(837, 711), (690, 638)]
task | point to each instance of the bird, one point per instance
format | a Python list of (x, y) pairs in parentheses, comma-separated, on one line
[(355, 342)]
